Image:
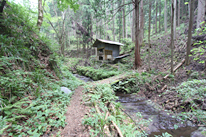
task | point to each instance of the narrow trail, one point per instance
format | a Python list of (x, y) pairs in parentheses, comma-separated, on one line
[(77, 110), (75, 113)]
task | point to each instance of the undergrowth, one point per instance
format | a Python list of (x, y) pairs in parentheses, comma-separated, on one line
[(106, 111), (194, 92), (96, 74), (132, 83), (31, 102)]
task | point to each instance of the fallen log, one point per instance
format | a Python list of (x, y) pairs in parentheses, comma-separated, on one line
[(179, 65)]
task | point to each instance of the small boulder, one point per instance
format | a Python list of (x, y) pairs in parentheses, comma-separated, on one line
[(66, 90)]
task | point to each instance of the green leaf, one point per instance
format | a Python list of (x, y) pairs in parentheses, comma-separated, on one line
[(175, 126)]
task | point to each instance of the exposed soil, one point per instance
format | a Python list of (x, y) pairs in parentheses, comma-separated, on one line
[(75, 113)]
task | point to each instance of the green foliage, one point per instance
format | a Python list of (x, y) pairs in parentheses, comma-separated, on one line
[(195, 75), (199, 51), (72, 62), (195, 89), (128, 44), (63, 4), (101, 95), (95, 74), (132, 83), (34, 116), (3, 124), (186, 3), (71, 81), (40, 109), (127, 85), (31, 102)]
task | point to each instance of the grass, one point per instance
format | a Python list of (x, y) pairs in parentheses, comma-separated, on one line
[(103, 99)]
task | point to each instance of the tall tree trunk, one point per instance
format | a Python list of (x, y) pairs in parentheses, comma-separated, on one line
[(40, 14), (187, 60), (159, 16), (189, 9), (133, 25), (156, 16), (149, 28), (165, 16), (141, 33), (97, 36), (67, 39), (137, 53), (106, 27), (182, 8), (201, 12), (101, 33), (130, 24), (120, 21), (78, 44), (3, 3), (124, 25), (178, 21), (2, 28), (113, 24), (172, 35), (175, 13)]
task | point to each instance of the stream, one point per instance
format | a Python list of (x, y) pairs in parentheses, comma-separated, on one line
[(161, 120), (83, 78)]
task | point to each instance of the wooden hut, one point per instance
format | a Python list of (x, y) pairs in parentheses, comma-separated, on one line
[(106, 50)]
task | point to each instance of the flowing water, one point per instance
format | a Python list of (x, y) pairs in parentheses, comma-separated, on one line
[(85, 79), (162, 121)]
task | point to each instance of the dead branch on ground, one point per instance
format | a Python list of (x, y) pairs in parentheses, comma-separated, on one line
[(179, 65)]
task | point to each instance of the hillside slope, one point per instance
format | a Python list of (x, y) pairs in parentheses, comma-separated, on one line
[(31, 102)]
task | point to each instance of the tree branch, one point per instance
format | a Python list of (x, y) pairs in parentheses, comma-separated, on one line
[(115, 14), (52, 25)]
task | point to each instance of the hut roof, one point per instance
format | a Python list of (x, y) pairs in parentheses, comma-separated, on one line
[(107, 42)]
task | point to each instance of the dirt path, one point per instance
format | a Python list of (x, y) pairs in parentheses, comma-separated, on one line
[(77, 110), (75, 114)]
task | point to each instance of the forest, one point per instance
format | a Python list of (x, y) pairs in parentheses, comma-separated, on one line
[(103, 68)]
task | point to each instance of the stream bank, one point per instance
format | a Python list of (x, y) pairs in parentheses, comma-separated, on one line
[(161, 120)]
